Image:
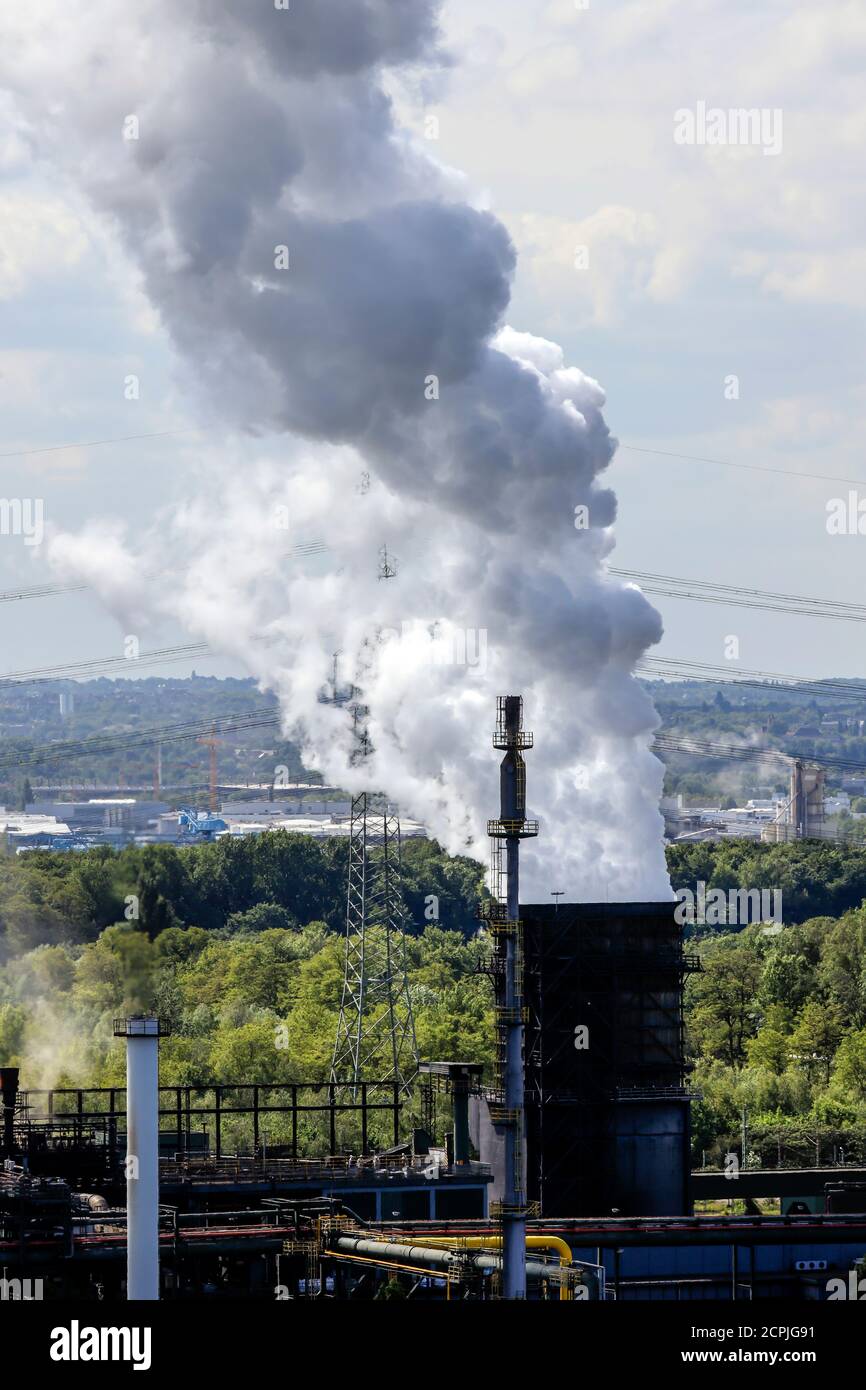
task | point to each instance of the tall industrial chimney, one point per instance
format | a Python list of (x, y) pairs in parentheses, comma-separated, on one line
[(142, 1033), (504, 918)]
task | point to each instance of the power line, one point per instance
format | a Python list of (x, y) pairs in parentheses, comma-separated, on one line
[(738, 589), (678, 668), (707, 591), (95, 443), (748, 467), (671, 586), (697, 747), (708, 748), (40, 591), (767, 607), (630, 448), (97, 666)]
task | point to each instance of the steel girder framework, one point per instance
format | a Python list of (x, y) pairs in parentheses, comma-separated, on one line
[(376, 1028)]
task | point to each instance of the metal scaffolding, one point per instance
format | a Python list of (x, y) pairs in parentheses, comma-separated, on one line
[(72, 1131)]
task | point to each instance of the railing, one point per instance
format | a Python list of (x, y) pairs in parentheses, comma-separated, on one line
[(655, 1093), (339, 1167), (504, 829)]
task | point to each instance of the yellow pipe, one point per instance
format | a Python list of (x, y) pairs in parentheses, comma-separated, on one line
[(562, 1248), (393, 1264)]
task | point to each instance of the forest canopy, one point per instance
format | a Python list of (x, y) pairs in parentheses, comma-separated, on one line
[(239, 945)]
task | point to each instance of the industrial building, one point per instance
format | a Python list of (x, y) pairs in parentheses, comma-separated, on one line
[(119, 821), (245, 1225), (804, 815), (607, 1106), (564, 1176)]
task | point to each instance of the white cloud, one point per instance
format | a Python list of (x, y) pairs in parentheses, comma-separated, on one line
[(597, 266), (575, 117), (832, 277), (38, 237)]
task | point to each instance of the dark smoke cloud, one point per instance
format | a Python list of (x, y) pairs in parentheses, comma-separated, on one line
[(310, 37)]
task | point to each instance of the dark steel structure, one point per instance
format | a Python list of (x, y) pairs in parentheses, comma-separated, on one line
[(69, 1131), (607, 1107), (459, 1080), (223, 1218), (502, 914), (9, 1099)]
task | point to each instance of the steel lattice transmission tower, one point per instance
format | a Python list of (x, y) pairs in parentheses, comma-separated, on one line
[(376, 1029)]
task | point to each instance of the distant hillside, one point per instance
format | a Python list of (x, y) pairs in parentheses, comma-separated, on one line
[(40, 742), (823, 720)]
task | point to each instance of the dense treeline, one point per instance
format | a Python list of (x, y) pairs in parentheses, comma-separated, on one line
[(239, 945), (286, 880), (776, 1020), (274, 880), (815, 878), (776, 1024)]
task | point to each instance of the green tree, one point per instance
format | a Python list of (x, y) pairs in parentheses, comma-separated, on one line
[(723, 1010), (260, 917), (849, 1072), (769, 1048), (816, 1037)]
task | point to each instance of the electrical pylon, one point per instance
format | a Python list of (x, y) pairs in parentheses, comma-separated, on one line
[(376, 1030)]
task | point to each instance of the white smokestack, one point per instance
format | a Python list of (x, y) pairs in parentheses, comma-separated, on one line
[(325, 279), (142, 1033)]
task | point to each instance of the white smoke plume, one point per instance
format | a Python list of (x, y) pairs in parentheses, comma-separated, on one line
[(325, 279)]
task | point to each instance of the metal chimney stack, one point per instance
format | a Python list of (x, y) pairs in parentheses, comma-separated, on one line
[(511, 827), (142, 1033)]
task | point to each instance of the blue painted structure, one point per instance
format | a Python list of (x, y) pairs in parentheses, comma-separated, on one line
[(716, 1257), (200, 822)]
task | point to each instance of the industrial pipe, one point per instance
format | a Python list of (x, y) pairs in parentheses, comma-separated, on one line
[(395, 1252), (556, 1243), (142, 1033)]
